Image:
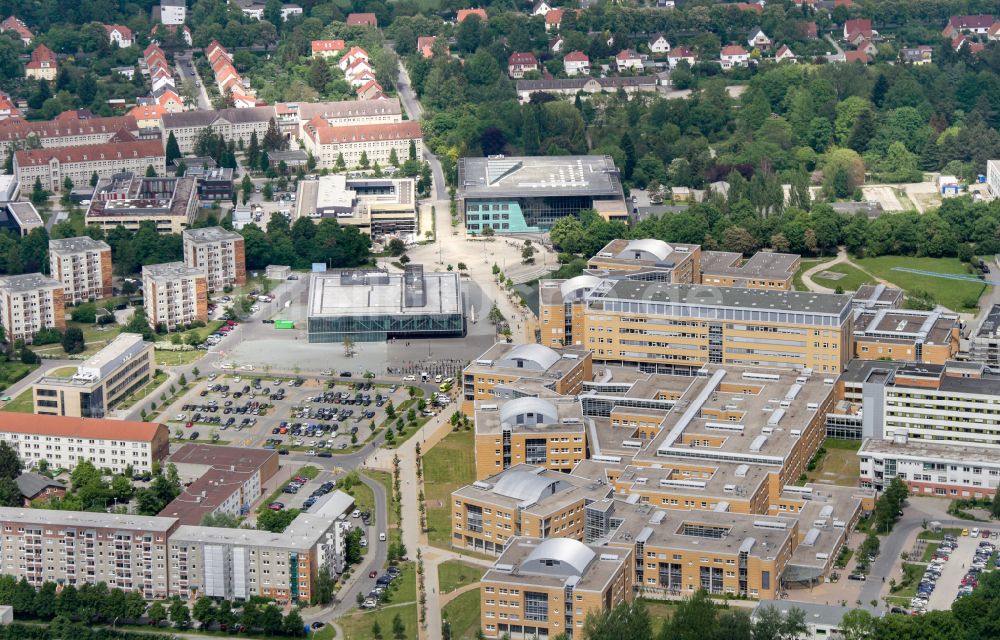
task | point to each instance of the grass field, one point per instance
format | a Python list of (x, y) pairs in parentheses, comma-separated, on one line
[(853, 278), (453, 574), (804, 266), (11, 372), (907, 587), (462, 615), (95, 337), (840, 465), (448, 466), (659, 612), (358, 625), (953, 294), (175, 358), (22, 403)]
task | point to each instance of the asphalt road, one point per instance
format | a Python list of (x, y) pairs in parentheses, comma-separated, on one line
[(191, 74), (414, 111)]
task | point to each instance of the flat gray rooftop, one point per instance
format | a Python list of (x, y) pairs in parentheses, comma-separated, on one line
[(356, 293), (171, 270), (77, 245), (734, 297), (28, 282), (538, 176), (210, 234), (85, 519)]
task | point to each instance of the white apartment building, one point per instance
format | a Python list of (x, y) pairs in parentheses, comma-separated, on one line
[(218, 254), (123, 153), (173, 12), (76, 548), (83, 265), (376, 141), (174, 295), (28, 303), (64, 440)]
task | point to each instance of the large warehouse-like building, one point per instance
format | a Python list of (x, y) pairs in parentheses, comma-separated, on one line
[(527, 194), (372, 306)]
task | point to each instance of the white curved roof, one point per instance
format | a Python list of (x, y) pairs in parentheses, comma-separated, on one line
[(525, 486), (573, 285), (545, 411), (572, 555), (657, 248), (543, 357)]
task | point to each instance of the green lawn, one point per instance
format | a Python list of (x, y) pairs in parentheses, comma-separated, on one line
[(853, 278), (840, 464), (462, 615), (449, 465), (929, 551), (907, 587), (157, 380), (453, 574), (953, 294), (938, 535), (22, 403), (176, 358), (358, 625), (659, 612), (404, 588), (11, 372), (805, 265)]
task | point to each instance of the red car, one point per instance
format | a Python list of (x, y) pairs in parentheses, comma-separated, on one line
[(276, 506), (298, 479), (985, 533), (373, 573), (189, 425)]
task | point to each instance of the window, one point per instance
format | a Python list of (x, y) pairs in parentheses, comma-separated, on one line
[(536, 606)]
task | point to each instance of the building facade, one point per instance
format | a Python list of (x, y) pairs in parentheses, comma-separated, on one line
[(237, 125), (29, 303), (129, 199), (376, 142), (111, 375), (218, 254), (83, 265), (64, 441), (174, 295), (123, 153), (65, 131)]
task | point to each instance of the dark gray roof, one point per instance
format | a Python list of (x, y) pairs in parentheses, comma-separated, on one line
[(30, 484), (208, 118), (733, 297)]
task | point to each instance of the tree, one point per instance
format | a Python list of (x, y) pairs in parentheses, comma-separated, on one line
[(413, 149), (150, 171), (319, 74), (629, 148), (38, 194), (858, 624), (273, 140), (325, 587), (180, 615), (626, 621), (72, 341), (352, 546), (157, 612), (67, 184), (693, 619), (204, 611), (398, 628), (293, 624), (94, 179), (173, 151), (393, 158), (363, 160)]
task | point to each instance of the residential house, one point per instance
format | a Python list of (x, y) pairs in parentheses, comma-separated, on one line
[(553, 19), (289, 10), (733, 56), (857, 30), (520, 63), (425, 45), (148, 116), (556, 44), (783, 54), (679, 54), (809, 29), (856, 56), (119, 35), (371, 90), (35, 486), (362, 20), (541, 8), (349, 58), (327, 48), (917, 55), (170, 101), (658, 44), (23, 32), (576, 63), (993, 33), (868, 47), (43, 65), (756, 7), (628, 59), (977, 25), (465, 13), (759, 40)]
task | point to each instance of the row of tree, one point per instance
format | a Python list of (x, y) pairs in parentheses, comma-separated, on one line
[(94, 490)]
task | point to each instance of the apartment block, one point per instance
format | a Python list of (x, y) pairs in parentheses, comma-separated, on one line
[(218, 254), (985, 342), (540, 588), (64, 440), (498, 373), (544, 431), (678, 328), (76, 548), (109, 376), (524, 500), (218, 480), (959, 472), (122, 153), (83, 265), (930, 337), (29, 303), (67, 130), (242, 563), (174, 295)]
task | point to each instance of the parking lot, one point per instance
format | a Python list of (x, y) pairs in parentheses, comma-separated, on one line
[(252, 409), (954, 571)]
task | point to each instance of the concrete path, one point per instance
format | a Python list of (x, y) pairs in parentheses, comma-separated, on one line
[(842, 258)]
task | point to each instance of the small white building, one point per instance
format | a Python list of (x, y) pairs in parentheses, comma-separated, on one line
[(576, 63), (733, 56), (659, 44), (173, 12)]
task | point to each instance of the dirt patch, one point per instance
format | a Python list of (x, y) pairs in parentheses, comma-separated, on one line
[(830, 275)]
